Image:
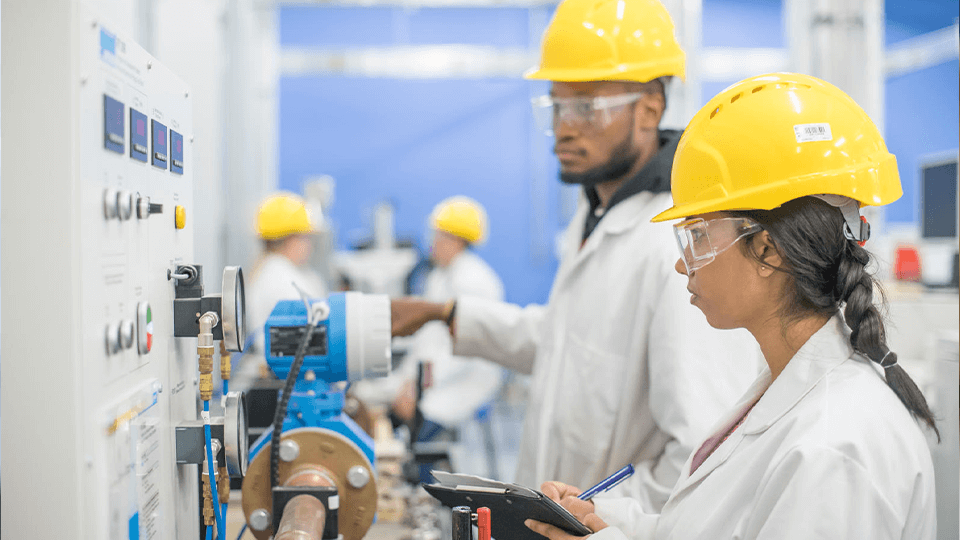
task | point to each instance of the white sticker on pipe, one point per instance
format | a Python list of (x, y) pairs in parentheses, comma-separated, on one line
[(812, 132), (334, 502)]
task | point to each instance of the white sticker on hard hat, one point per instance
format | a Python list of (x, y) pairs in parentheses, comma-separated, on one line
[(812, 132)]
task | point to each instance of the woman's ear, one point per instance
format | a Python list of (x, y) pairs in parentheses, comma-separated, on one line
[(767, 254)]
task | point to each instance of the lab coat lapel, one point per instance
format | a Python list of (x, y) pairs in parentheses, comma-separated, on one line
[(825, 350), (621, 218), (726, 448)]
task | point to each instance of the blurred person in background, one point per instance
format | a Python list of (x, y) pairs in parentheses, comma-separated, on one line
[(624, 369), (460, 386), (283, 225)]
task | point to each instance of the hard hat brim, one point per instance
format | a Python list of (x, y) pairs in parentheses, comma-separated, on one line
[(671, 68)]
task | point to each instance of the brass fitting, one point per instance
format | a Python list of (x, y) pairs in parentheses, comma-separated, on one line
[(205, 350), (224, 361), (209, 517), (223, 485)]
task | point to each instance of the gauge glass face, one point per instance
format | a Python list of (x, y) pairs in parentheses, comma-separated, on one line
[(240, 310), (244, 441)]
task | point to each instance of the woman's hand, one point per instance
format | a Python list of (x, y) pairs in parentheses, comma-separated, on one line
[(592, 522), (566, 496)]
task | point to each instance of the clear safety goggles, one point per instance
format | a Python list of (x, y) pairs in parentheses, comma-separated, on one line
[(585, 113), (700, 240)]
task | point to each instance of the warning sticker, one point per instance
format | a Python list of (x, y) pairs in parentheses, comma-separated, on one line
[(812, 132)]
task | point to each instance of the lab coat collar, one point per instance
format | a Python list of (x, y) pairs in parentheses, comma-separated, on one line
[(825, 350)]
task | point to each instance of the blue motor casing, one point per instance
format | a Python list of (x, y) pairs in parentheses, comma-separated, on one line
[(314, 402)]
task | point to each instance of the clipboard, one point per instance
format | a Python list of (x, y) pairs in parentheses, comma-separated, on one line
[(509, 504)]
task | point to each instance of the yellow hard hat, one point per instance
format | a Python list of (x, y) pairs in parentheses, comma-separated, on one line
[(773, 138), (282, 215), (609, 40), (462, 217)]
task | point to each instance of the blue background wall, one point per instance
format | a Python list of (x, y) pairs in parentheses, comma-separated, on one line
[(415, 142)]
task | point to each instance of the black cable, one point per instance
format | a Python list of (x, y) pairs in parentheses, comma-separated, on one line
[(281, 411)]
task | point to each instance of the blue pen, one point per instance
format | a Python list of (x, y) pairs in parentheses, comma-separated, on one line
[(608, 483)]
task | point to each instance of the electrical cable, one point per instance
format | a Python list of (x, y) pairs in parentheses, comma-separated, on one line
[(242, 530), (281, 411)]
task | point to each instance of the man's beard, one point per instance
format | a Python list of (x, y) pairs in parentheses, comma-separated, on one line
[(621, 161)]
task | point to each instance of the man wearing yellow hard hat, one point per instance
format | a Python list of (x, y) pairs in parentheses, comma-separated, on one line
[(283, 225), (624, 370)]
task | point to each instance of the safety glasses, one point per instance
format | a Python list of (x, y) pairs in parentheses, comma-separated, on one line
[(584, 113), (700, 241)]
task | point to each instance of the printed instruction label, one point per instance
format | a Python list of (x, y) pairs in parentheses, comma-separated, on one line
[(812, 132), (133, 466)]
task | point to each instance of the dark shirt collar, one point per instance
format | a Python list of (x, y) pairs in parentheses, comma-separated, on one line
[(653, 177)]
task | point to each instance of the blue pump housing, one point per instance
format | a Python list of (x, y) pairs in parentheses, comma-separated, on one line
[(313, 403)]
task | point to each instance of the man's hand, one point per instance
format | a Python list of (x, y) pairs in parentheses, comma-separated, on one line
[(409, 314), (566, 496)]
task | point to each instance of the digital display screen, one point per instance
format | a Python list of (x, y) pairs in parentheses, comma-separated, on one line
[(113, 132), (939, 201), (176, 152), (159, 144), (285, 340), (138, 135)]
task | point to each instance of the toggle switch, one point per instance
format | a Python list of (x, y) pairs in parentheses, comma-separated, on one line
[(124, 204), (112, 338), (126, 334), (145, 208), (110, 203)]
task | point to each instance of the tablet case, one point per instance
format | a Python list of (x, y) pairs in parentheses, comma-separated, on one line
[(509, 506)]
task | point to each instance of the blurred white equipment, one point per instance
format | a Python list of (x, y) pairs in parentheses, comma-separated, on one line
[(944, 404), (383, 268)]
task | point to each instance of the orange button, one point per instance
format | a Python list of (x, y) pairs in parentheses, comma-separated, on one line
[(180, 217)]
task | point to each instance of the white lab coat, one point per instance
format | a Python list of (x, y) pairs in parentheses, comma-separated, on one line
[(828, 452), (624, 369), (272, 281), (461, 385)]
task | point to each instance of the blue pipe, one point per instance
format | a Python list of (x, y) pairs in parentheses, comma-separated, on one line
[(218, 515)]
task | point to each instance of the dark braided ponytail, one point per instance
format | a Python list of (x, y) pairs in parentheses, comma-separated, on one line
[(830, 271)]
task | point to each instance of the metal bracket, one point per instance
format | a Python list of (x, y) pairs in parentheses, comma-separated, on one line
[(190, 441)]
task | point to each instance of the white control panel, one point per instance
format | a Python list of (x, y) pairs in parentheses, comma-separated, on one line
[(96, 213), (136, 195)]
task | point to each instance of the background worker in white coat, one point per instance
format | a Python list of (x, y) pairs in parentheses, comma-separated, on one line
[(283, 225), (771, 175), (460, 385), (623, 369)]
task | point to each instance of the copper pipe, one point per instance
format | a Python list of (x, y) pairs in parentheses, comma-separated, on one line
[(304, 518)]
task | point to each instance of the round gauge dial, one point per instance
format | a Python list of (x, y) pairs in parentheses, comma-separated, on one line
[(233, 308), (235, 436)]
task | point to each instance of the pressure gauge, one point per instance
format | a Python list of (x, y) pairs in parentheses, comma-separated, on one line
[(235, 437), (232, 308)]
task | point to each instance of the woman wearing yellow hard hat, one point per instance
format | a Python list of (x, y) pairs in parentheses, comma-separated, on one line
[(284, 226), (769, 177)]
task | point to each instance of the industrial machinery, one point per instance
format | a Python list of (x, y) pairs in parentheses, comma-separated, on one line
[(323, 456), (109, 341)]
